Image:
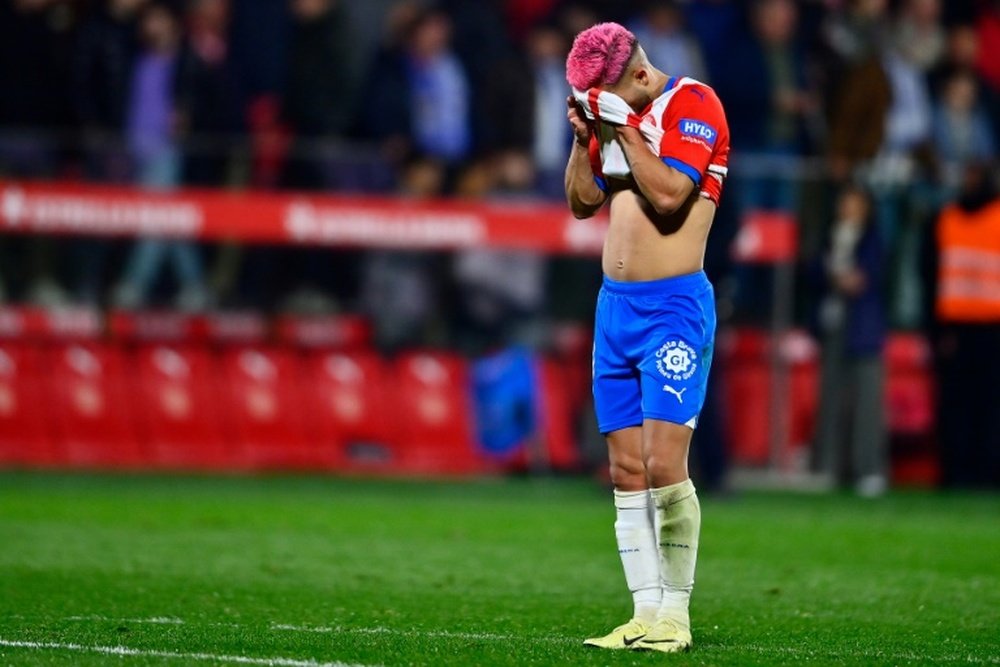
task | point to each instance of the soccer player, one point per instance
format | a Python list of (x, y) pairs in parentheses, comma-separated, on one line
[(656, 147)]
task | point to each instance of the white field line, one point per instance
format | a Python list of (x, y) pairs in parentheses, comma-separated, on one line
[(791, 651), (404, 632), (327, 629), (177, 655), (155, 620)]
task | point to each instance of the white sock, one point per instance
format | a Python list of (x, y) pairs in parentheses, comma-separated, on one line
[(678, 523), (637, 549)]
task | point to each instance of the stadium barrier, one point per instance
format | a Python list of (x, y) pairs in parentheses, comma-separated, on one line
[(236, 392), (256, 217)]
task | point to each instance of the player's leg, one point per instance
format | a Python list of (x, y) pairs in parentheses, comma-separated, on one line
[(618, 404), (636, 538), (673, 385), (678, 523)]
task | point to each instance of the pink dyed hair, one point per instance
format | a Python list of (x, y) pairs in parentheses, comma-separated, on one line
[(599, 56)]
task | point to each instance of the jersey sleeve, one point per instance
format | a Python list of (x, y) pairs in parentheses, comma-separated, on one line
[(694, 131), (596, 166)]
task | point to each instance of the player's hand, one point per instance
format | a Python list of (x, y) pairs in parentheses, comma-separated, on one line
[(577, 119)]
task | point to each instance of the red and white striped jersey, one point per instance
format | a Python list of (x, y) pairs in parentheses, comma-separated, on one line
[(687, 127)]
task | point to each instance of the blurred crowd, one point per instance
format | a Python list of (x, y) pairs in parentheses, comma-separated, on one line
[(861, 118), (466, 98)]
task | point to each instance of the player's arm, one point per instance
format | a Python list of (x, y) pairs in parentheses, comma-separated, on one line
[(584, 195), (663, 186)]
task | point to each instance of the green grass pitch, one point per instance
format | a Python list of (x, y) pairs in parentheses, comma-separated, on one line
[(286, 571)]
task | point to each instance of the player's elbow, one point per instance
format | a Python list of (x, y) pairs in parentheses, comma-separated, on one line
[(665, 203), (581, 211), (582, 208)]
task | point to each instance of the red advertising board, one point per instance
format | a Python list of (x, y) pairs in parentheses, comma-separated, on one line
[(216, 215)]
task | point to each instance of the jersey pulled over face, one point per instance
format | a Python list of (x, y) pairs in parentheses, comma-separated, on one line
[(687, 127)]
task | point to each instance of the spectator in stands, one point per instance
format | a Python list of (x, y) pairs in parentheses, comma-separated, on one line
[(858, 92), (852, 320), (547, 48), (398, 291), (961, 53), (508, 102), (908, 125), (319, 100), (905, 146), (660, 30), (208, 95), (439, 91), (988, 64), (500, 293), (501, 298), (35, 59), (105, 55), (966, 332), (417, 105), (387, 91), (714, 23), (479, 40), (767, 98), (962, 131), (918, 33), (151, 129)]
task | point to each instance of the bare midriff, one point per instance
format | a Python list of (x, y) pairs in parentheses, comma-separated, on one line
[(644, 245)]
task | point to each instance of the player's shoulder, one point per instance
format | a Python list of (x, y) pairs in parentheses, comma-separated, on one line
[(694, 92), (690, 98)]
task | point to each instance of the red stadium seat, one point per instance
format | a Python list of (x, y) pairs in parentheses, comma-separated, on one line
[(88, 394), (24, 409), (347, 395), (743, 360), (801, 355), (432, 413), (910, 385), (911, 408), (177, 407), (555, 410), (264, 404)]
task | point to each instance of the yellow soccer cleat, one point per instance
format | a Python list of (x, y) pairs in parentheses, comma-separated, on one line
[(622, 637), (666, 636)]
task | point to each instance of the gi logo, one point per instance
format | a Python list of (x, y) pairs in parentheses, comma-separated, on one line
[(676, 360), (699, 130)]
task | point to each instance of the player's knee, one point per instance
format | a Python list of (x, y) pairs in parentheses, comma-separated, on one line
[(628, 474), (663, 469)]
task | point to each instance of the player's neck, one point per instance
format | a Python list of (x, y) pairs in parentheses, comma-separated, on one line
[(659, 81)]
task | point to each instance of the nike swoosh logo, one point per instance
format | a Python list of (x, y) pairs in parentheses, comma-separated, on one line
[(628, 641)]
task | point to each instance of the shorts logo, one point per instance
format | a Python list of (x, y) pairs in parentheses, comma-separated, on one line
[(679, 394), (676, 360), (698, 129)]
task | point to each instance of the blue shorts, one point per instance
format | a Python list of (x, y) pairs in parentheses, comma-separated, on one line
[(653, 350)]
